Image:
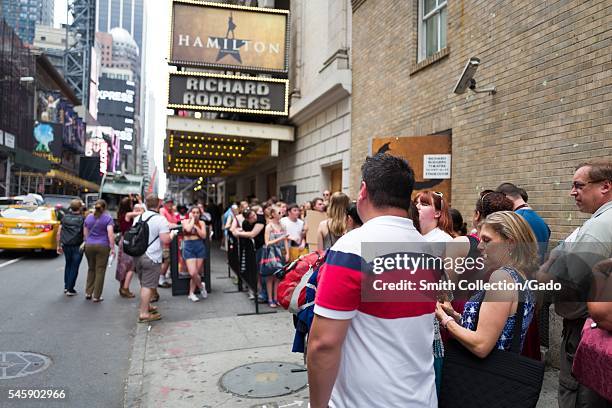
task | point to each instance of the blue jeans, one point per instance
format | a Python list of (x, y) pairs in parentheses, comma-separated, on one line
[(73, 261)]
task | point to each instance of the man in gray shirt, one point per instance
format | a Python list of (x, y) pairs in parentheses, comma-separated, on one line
[(572, 263)]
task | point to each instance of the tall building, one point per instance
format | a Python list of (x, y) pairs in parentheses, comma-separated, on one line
[(127, 14), (24, 15), (53, 42)]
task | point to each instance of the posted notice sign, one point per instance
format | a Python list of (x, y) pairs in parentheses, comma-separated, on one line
[(436, 166)]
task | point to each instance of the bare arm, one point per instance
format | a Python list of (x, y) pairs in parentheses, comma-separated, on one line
[(324, 351), (250, 234), (321, 234), (58, 240), (494, 312), (200, 229), (111, 238)]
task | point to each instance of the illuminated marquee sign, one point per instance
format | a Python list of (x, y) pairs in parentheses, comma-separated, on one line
[(228, 93), (226, 36)]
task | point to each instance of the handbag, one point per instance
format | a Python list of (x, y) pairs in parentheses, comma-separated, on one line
[(593, 360), (502, 379), (271, 260)]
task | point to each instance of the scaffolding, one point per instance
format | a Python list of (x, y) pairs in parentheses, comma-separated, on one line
[(77, 59)]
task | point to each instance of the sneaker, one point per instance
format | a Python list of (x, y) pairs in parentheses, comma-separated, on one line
[(203, 293), (65, 291), (71, 293), (193, 298), (251, 295)]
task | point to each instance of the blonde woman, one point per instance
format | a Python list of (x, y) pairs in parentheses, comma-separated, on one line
[(275, 235), (331, 229), (510, 253)]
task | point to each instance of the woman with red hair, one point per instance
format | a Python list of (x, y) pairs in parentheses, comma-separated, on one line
[(434, 218)]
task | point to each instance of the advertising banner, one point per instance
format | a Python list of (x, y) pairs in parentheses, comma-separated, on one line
[(48, 137), (226, 36)]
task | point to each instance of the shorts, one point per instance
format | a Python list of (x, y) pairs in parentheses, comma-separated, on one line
[(194, 248), (147, 271)]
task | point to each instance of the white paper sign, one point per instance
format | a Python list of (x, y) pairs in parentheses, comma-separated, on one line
[(9, 140), (436, 166)]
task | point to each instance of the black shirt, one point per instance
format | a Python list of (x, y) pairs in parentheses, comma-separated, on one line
[(259, 238)]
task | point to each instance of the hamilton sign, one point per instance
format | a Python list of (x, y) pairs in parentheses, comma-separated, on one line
[(228, 93), (226, 36)]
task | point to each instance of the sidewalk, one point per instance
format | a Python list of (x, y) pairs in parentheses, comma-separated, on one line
[(179, 361)]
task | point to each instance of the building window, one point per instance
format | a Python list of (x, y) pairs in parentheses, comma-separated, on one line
[(432, 27)]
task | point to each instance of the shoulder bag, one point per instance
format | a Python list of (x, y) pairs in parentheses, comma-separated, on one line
[(502, 379)]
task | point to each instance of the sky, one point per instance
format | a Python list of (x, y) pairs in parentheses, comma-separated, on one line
[(59, 16)]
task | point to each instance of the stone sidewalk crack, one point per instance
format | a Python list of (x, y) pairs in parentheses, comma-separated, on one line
[(132, 397)]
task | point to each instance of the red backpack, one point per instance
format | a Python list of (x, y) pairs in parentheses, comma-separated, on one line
[(295, 276)]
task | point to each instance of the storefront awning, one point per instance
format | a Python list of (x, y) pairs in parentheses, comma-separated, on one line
[(65, 177), (27, 159)]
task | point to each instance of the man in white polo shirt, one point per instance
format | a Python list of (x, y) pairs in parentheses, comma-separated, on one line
[(364, 353)]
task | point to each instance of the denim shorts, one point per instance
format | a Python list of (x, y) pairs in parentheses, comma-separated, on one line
[(194, 248)]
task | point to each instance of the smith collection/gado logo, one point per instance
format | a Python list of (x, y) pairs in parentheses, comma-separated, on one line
[(228, 93), (213, 35)]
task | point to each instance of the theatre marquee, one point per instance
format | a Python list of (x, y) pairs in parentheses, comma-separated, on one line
[(228, 93), (224, 36)]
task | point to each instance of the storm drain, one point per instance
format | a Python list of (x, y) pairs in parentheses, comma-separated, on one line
[(15, 364), (266, 379)]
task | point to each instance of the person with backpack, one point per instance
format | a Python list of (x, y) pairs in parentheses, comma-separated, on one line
[(144, 242), (69, 240), (99, 243)]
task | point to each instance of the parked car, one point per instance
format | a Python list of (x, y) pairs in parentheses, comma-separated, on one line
[(28, 227)]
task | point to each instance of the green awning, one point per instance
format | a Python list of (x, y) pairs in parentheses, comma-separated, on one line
[(27, 159)]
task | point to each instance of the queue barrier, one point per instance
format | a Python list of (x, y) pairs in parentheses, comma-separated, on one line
[(241, 259)]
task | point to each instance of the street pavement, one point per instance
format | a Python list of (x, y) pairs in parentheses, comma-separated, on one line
[(89, 344), (103, 358)]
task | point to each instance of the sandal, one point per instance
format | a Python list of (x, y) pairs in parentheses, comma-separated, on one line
[(87, 297), (151, 318), (271, 304), (153, 310), (97, 300)]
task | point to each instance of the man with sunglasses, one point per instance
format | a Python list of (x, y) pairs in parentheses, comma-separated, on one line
[(572, 265)]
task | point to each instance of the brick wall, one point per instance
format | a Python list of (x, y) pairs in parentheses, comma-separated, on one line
[(551, 64)]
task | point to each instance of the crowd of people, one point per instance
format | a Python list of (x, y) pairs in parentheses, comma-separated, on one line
[(385, 353)]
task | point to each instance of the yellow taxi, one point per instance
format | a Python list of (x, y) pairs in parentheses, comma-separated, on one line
[(28, 227)]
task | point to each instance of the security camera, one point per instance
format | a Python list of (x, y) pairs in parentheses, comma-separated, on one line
[(466, 80), (467, 76)]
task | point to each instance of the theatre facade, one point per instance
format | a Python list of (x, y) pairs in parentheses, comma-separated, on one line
[(262, 112)]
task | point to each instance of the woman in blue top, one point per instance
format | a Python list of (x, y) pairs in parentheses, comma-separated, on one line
[(510, 253)]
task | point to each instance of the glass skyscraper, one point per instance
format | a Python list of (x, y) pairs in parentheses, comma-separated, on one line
[(23, 15), (127, 14)]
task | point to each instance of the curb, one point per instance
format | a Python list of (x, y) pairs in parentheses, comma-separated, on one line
[(132, 396)]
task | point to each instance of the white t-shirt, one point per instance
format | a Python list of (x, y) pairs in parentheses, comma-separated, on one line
[(387, 357), (437, 235), (157, 225), (293, 228)]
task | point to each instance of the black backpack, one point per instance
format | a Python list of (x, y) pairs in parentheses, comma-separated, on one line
[(136, 239), (72, 229)]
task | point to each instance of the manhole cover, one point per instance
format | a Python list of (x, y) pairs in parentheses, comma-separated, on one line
[(263, 380), (14, 364)]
